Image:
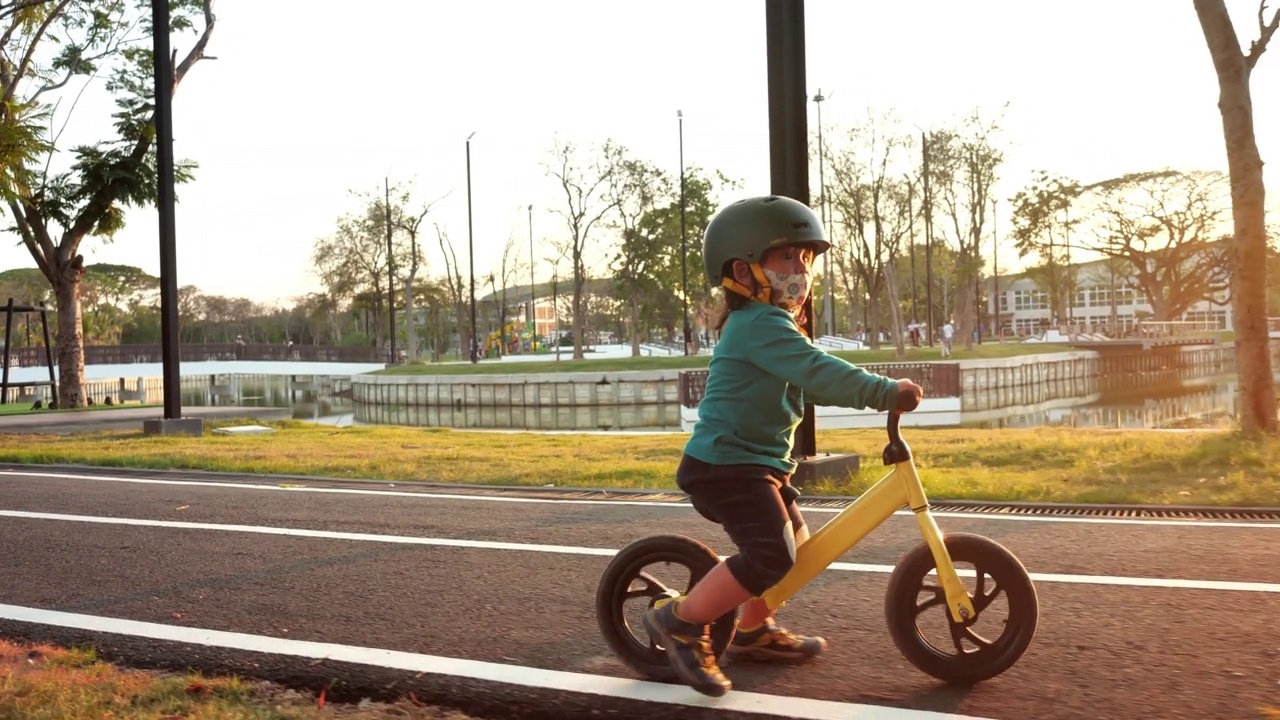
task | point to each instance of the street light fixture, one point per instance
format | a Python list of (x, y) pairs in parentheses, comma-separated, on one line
[(471, 252), (684, 250)]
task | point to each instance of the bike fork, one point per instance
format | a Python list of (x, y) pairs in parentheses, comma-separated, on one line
[(959, 604)]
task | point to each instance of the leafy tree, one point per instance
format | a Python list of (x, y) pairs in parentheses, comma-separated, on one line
[(45, 47), (1248, 202), (637, 189)]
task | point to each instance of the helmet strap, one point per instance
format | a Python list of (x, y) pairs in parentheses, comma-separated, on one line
[(763, 295)]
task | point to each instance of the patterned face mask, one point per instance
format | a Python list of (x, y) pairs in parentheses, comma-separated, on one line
[(789, 290)]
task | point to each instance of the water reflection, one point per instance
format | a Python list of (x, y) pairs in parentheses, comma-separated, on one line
[(1201, 397), (320, 398), (1193, 403)]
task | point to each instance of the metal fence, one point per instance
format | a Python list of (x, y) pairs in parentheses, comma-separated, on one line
[(937, 379)]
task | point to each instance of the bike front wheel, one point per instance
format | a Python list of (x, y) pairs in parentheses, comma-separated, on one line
[(980, 648)]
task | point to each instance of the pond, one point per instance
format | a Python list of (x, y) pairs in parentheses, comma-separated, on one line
[(320, 392)]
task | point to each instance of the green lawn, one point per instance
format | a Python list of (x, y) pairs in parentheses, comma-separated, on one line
[(1042, 464)]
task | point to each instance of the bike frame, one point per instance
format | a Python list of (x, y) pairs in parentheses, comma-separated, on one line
[(900, 487)]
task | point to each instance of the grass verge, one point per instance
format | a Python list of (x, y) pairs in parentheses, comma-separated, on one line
[(1212, 467), (680, 362), (39, 682), (25, 408)]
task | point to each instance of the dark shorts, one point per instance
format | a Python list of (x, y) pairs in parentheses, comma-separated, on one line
[(756, 505)]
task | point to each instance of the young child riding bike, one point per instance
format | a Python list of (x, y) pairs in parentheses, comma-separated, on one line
[(737, 464)]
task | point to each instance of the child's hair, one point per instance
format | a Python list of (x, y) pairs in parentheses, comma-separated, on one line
[(732, 301)]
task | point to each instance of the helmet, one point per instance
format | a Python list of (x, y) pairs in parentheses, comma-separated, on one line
[(747, 228)]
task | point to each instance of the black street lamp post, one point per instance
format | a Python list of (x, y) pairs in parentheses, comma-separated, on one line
[(471, 254), (684, 249)]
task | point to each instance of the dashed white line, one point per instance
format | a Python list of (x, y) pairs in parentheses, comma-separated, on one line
[(1173, 583), (431, 495), (556, 680)]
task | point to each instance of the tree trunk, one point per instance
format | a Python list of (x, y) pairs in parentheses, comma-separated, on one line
[(70, 339), (635, 325), (1248, 195), (410, 334), (895, 308)]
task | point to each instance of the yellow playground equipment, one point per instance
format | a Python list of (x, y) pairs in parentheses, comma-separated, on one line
[(513, 338)]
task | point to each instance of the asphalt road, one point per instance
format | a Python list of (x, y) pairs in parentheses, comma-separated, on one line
[(455, 578)]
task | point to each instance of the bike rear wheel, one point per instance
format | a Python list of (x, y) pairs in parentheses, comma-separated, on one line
[(626, 580)]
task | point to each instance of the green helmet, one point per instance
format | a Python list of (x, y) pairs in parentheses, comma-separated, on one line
[(747, 228)]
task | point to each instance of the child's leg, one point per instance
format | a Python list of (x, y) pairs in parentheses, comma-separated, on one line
[(756, 611)]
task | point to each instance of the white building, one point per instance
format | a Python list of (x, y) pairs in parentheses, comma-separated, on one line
[(1100, 302)]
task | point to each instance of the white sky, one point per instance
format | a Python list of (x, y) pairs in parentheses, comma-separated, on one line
[(309, 101)]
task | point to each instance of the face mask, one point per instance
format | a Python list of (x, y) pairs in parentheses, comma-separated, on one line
[(789, 290)]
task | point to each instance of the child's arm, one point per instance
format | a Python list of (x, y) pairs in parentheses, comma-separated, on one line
[(825, 379)]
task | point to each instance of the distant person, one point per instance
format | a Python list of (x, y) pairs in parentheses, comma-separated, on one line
[(948, 333), (737, 464)]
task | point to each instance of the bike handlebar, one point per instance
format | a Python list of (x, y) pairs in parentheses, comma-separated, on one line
[(894, 422)]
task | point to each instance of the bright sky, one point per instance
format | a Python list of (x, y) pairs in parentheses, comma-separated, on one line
[(305, 105)]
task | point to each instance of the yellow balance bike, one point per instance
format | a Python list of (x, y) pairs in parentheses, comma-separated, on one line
[(967, 645)]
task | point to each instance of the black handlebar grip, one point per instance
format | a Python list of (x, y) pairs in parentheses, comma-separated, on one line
[(908, 400)]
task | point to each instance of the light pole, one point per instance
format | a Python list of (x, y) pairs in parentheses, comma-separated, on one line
[(928, 238), (826, 220), (533, 321), (471, 253), (391, 270), (684, 250)]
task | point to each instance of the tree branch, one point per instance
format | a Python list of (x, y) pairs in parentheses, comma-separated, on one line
[(106, 194), (1265, 31), (31, 50)]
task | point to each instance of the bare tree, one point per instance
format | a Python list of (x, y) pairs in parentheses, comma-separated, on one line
[(411, 225), (872, 198), (509, 270), (963, 170), (1248, 201), (1166, 226), (585, 183), (456, 290)]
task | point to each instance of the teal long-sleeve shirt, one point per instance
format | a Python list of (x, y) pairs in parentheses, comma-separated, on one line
[(760, 373)]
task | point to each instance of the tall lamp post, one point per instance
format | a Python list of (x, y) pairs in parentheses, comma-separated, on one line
[(471, 254), (828, 311), (684, 250), (391, 270), (533, 321)]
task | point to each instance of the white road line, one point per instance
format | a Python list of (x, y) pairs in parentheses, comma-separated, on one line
[(1174, 583), (557, 680), (432, 495)]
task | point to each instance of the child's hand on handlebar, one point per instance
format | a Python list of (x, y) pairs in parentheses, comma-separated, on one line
[(909, 396)]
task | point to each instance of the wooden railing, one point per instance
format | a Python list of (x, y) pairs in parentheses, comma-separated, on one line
[(937, 379)]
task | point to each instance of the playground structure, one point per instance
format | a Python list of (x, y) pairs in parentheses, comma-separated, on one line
[(514, 337), (9, 309)]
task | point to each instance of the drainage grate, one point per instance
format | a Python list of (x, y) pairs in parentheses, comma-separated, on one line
[(1150, 512)]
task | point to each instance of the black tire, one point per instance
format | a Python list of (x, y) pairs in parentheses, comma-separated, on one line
[(903, 607), (645, 658)]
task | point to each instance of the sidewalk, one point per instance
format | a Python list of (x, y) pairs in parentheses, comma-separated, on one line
[(71, 422)]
